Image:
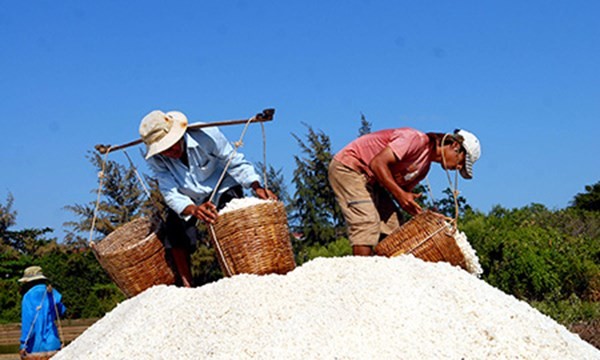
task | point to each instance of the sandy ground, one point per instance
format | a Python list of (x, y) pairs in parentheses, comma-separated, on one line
[(9, 334), (588, 331)]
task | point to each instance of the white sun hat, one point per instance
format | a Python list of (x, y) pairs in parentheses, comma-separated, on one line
[(32, 273), (160, 131), (472, 148)]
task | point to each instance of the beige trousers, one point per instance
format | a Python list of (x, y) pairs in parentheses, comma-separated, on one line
[(368, 210)]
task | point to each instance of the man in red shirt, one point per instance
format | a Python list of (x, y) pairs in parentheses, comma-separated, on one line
[(395, 160)]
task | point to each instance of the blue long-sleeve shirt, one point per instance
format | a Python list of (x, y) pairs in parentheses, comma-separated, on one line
[(208, 152), (43, 336)]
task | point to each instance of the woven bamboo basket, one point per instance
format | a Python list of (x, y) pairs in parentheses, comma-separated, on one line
[(426, 236), (134, 257), (254, 240), (40, 355)]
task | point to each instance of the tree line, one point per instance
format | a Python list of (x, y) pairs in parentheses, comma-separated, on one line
[(550, 258)]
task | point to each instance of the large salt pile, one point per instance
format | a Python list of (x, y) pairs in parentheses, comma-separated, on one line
[(335, 308)]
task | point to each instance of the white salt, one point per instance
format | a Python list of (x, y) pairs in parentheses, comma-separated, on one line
[(334, 308), (471, 259), (236, 204)]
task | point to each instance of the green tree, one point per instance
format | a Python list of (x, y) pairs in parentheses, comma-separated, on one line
[(276, 183), (204, 264), (12, 264), (447, 206), (101, 299), (122, 200), (10, 301), (588, 200), (29, 241), (317, 215), (8, 217), (365, 126)]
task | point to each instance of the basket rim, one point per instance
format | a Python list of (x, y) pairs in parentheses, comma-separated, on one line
[(271, 203), (110, 251), (106, 246), (397, 243)]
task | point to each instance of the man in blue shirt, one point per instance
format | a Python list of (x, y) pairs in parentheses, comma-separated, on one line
[(40, 308), (188, 165)]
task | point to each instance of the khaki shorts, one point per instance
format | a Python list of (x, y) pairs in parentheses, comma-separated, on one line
[(369, 210)]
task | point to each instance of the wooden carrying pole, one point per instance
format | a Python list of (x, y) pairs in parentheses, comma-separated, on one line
[(265, 115)]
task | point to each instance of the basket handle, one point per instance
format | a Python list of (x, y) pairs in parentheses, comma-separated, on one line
[(236, 144), (455, 185)]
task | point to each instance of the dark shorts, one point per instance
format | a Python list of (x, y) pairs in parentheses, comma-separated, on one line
[(183, 234)]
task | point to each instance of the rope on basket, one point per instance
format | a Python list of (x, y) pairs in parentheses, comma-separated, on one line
[(99, 192), (60, 330), (101, 184), (455, 190), (237, 145), (264, 137), (148, 194)]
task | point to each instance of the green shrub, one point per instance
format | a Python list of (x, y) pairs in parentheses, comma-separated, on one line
[(570, 310), (339, 247), (102, 299), (205, 266), (536, 254), (10, 301)]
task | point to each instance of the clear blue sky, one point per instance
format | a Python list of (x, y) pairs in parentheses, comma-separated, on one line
[(522, 75)]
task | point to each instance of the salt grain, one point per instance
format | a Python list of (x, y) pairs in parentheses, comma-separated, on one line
[(334, 308), (470, 255), (236, 204)]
